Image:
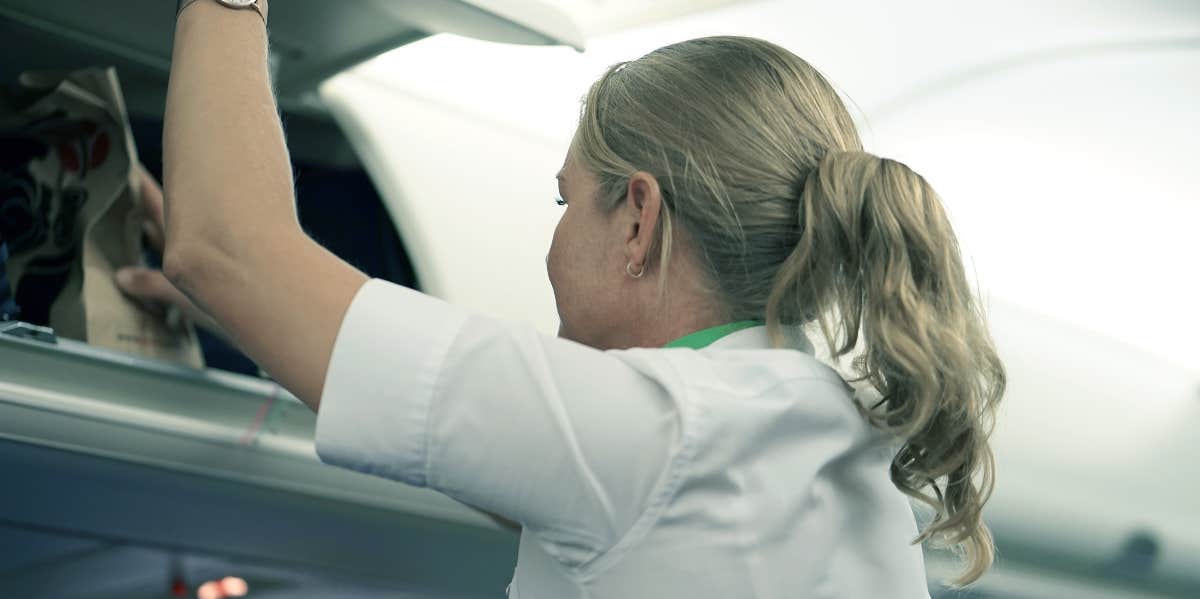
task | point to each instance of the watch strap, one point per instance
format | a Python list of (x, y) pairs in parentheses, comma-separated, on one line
[(259, 6)]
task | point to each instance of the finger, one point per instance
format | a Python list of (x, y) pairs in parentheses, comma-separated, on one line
[(154, 236), (148, 284), (152, 204), (152, 193)]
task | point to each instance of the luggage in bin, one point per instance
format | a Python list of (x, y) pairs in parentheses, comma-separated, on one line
[(71, 214)]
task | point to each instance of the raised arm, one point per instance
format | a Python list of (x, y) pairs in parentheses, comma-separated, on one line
[(233, 243)]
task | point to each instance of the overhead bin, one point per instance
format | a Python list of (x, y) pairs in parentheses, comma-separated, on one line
[(311, 40), (110, 446), (101, 444)]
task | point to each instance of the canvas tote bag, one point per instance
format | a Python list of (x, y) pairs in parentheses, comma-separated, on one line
[(71, 214)]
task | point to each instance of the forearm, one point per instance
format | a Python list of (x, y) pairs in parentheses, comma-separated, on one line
[(233, 242), (227, 174)]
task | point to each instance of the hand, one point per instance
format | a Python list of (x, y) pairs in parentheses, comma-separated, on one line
[(148, 285)]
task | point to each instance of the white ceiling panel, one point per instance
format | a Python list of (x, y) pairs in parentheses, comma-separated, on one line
[(599, 17)]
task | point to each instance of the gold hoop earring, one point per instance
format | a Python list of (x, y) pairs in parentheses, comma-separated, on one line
[(629, 271)]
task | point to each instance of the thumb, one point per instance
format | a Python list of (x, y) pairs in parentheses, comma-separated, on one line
[(152, 288)]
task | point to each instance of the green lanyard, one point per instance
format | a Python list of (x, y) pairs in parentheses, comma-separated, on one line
[(706, 337)]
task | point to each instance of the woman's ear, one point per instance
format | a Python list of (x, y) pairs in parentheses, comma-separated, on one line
[(640, 211)]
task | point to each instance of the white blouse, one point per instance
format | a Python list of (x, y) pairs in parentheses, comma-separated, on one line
[(735, 470)]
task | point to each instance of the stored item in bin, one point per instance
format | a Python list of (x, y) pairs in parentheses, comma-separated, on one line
[(8, 305), (71, 214)]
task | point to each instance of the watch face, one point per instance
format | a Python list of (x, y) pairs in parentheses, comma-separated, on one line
[(238, 3)]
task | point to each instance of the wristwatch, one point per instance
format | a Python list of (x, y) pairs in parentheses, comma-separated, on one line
[(259, 6)]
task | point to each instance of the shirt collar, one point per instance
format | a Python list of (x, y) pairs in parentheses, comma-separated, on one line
[(744, 334), (705, 337)]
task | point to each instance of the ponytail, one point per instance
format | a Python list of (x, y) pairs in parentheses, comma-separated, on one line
[(737, 131), (877, 257)]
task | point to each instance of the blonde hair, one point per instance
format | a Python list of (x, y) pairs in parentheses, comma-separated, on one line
[(759, 162)]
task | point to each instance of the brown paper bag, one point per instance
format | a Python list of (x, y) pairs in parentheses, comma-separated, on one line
[(71, 212)]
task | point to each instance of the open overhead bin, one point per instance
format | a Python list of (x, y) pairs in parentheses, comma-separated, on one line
[(310, 39), (115, 448)]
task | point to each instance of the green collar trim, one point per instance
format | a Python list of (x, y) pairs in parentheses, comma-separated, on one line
[(704, 338)]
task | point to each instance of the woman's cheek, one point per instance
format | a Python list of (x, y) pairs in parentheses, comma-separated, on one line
[(552, 257), (558, 267)]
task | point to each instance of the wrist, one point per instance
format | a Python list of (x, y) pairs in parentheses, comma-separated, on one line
[(258, 6)]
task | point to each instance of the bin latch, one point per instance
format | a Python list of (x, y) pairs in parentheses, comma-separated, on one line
[(24, 330)]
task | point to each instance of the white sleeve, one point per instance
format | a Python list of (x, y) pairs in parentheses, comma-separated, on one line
[(567, 440)]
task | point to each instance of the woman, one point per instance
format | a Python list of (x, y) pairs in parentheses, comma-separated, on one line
[(679, 438)]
